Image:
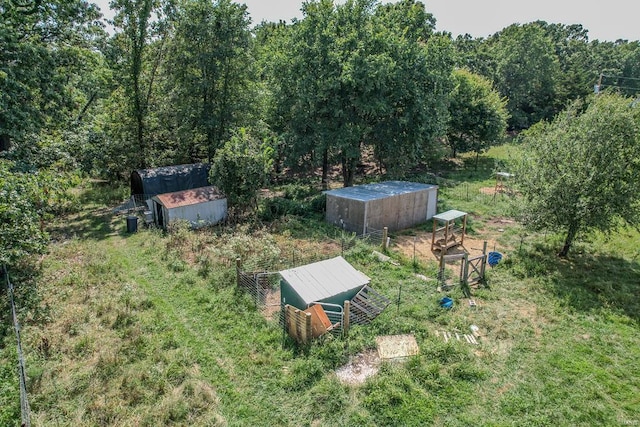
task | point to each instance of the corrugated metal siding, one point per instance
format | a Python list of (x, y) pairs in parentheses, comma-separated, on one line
[(205, 213), (393, 204), (325, 279)]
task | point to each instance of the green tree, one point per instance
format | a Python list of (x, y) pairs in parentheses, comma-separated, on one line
[(28, 199), (577, 73), (475, 55), (210, 74), (582, 171), (412, 112), (356, 77), (240, 168), (271, 50), (619, 64), (477, 114), (526, 73), (131, 45), (47, 53)]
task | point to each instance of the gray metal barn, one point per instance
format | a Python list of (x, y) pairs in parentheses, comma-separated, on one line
[(199, 206), (393, 204)]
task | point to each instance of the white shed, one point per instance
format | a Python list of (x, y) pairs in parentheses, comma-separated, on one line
[(199, 206)]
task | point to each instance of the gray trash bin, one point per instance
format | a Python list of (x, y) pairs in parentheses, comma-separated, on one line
[(132, 224)]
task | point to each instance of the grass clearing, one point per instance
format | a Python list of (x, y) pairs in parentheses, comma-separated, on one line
[(149, 329)]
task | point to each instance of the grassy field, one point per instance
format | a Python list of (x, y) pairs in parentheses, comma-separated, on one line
[(149, 329)]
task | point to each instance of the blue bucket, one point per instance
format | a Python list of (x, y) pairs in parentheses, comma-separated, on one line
[(494, 258), (446, 302)]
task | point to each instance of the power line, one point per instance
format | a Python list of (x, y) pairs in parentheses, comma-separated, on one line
[(620, 87), (620, 77), (616, 84)]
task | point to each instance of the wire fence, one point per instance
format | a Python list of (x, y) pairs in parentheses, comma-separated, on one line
[(135, 203), (371, 237), (260, 278), (471, 193), (24, 401)]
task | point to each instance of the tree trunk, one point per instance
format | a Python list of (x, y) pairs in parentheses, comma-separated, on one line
[(348, 170), (568, 241), (325, 169), (5, 142)]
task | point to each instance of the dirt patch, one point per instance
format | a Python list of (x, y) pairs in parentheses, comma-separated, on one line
[(360, 367), (488, 190), (421, 244), (271, 304)]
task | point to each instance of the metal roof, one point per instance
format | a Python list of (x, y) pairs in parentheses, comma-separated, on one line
[(379, 190), (189, 197), (449, 215), (324, 279), (168, 179)]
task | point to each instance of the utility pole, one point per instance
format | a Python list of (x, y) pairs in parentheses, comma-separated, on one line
[(598, 86)]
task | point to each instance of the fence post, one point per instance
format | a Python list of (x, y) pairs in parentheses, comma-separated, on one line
[(285, 319), (238, 269), (345, 320), (385, 234), (307, 328), (465, 281), (483, 267)]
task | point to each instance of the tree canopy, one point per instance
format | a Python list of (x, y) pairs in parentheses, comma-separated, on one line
[(581, 172), (350, 84), (240, 168), (351, 78), (477, 114)]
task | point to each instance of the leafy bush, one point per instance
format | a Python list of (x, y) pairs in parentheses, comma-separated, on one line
[(298, 191), (278, 207)]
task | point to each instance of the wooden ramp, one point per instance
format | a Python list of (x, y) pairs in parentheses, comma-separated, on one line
[(366, 306)]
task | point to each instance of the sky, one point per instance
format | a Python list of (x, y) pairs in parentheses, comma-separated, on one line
[(608, 20)]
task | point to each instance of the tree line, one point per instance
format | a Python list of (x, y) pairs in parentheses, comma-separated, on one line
[(181, 81), (177, 79)]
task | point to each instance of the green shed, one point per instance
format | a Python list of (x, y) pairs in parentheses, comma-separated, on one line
[(330, 281)]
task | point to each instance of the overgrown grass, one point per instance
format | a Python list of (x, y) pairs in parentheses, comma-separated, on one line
[(149, 329)]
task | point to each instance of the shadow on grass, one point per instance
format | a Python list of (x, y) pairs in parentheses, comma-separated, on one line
[(97, 224), (587, 282), (594, 281), (96, 220), (468, 169), (103, 194)]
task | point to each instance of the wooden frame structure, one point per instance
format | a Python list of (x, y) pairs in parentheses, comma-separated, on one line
[(502, 183), (448, 235)]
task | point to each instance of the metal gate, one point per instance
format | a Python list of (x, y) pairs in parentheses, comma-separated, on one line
[(260, 285), (474, 269)]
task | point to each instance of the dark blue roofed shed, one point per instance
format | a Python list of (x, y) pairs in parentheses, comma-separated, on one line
[(169, 179)]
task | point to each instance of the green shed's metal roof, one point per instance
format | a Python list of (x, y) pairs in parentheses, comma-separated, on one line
[(324, 279), (380, 190)]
